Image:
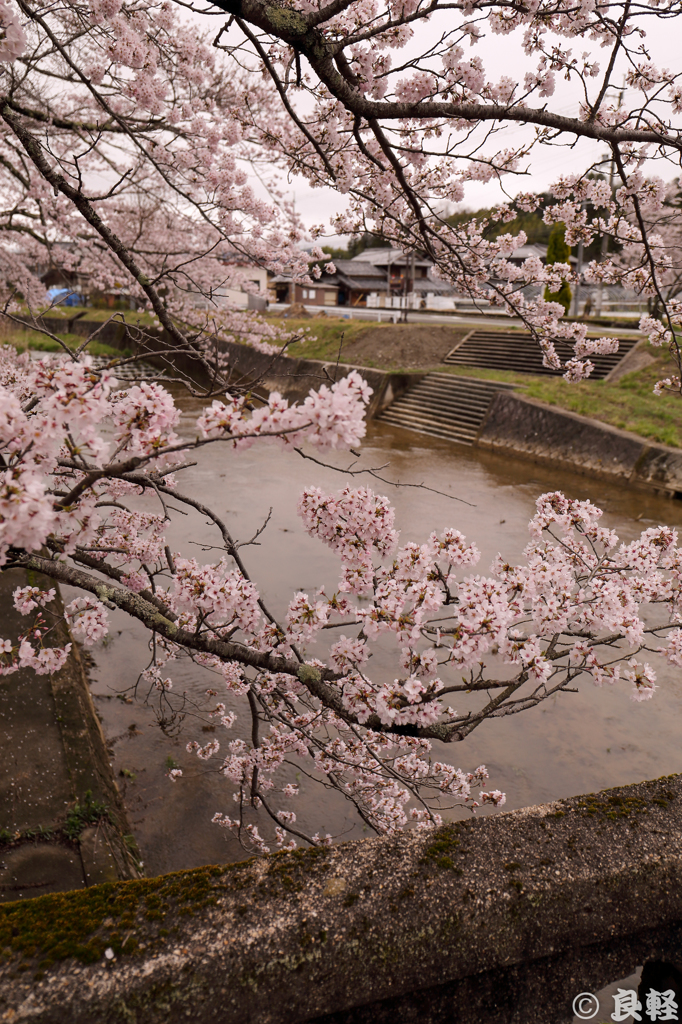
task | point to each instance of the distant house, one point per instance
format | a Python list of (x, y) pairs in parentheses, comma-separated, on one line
[(58, 280), (375, 278), (356, 279), (320, 293), (404, 275), (248, 290), (524, 252)]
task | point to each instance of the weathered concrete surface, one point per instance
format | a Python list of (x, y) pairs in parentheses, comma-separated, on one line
[(543, 433), (636, 359), (293, 378), (526, 902), (53, 753)]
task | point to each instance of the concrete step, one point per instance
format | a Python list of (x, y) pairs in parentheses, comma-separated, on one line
[(444, 402), (453, 397), (501, 350), (433, 430), (444, 405), (425, 423), (436, 416)]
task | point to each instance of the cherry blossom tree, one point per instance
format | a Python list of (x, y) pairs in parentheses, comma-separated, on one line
[(665, 239), (142, 109), (126, 158), (403, 137), (78, 454), (129, 146)]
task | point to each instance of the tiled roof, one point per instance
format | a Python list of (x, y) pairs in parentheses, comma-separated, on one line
[(396, 257), (356, 268), (426, 285)]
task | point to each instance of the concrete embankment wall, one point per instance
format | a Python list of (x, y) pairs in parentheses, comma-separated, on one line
[(148, 342), (497, 920), (514, 424), (62, 821), (293, 378), (530, 429)]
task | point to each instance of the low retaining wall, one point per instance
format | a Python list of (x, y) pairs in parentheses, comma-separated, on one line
[(146, 342), (543, 433), (293, 378), (514, 423), (497, 920), (54, 760)]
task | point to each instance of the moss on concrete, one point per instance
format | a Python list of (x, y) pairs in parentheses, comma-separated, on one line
[(127, 917), (138, 916)]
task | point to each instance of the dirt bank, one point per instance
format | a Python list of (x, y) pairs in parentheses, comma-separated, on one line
[(380, 346), (410, 347)]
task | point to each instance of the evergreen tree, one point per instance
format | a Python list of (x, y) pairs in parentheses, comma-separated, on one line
[(558, 252)]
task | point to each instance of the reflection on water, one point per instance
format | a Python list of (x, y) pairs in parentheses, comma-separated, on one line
[(573, 743)]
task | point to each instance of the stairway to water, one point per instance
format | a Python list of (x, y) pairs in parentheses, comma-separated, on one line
[(444, 405), (512, 350)]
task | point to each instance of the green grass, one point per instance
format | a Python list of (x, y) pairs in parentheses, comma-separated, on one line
[(327, 334), (130, 316), (629, 403), (35, 341)]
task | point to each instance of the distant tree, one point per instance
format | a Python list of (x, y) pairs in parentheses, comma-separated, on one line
[(529, 222), (559, 252), (336, 253)]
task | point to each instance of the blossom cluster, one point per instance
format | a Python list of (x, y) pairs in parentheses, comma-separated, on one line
[(79, 453)]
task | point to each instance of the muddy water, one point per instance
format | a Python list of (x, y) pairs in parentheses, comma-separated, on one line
[(573, 743)]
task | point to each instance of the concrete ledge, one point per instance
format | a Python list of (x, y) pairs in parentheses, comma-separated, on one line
[(341, 931), (55, 759), (543, 433), (294, 378), (636, 359)]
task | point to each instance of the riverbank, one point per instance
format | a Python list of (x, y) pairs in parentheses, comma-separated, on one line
[(625, 400), (528, 429), (516, 424), (62, 821), (392, 358)]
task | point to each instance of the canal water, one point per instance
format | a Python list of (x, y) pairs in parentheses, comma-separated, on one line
[(571, 744)]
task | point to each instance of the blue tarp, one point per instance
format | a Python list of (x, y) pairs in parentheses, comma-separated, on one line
[(71, 298)]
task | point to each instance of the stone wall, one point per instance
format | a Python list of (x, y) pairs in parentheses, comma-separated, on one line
[(543, 433), (496, 920)]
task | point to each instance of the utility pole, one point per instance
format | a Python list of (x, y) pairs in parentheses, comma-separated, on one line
[(579, 270), (605, 238), (408, 281), (388, 279)]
